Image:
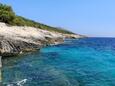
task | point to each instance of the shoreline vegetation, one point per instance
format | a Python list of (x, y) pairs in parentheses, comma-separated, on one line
[(8, 16), (18, 34)]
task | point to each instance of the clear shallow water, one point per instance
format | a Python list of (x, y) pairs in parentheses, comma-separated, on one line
[(83, 62)]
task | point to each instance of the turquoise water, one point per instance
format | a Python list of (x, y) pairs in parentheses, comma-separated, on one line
[(83, 62)]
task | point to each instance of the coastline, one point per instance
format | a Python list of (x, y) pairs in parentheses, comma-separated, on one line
[(19, 39)]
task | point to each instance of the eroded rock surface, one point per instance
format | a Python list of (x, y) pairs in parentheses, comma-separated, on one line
[(15, 40)]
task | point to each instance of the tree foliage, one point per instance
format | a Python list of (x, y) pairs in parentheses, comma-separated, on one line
[(8, 16)]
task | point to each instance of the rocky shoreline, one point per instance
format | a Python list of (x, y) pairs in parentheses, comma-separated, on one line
[(15, 40)]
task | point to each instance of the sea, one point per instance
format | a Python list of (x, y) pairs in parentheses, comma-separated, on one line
[(76, 62)]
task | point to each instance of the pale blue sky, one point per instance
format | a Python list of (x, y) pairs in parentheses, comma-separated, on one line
[(87, 17)]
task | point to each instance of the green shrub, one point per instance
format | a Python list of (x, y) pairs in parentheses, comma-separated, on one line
[(8, 16)]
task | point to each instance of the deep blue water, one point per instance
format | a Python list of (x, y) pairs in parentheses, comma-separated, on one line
[(81, 62)]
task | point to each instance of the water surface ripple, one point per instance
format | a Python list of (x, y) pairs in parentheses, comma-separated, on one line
[(81, 62)]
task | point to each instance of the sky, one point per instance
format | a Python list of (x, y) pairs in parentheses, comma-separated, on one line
[(94, 18)]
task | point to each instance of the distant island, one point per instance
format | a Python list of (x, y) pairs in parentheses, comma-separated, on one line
[(19, 34)]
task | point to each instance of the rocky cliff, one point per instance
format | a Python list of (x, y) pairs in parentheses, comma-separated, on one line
[(18, 39)]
